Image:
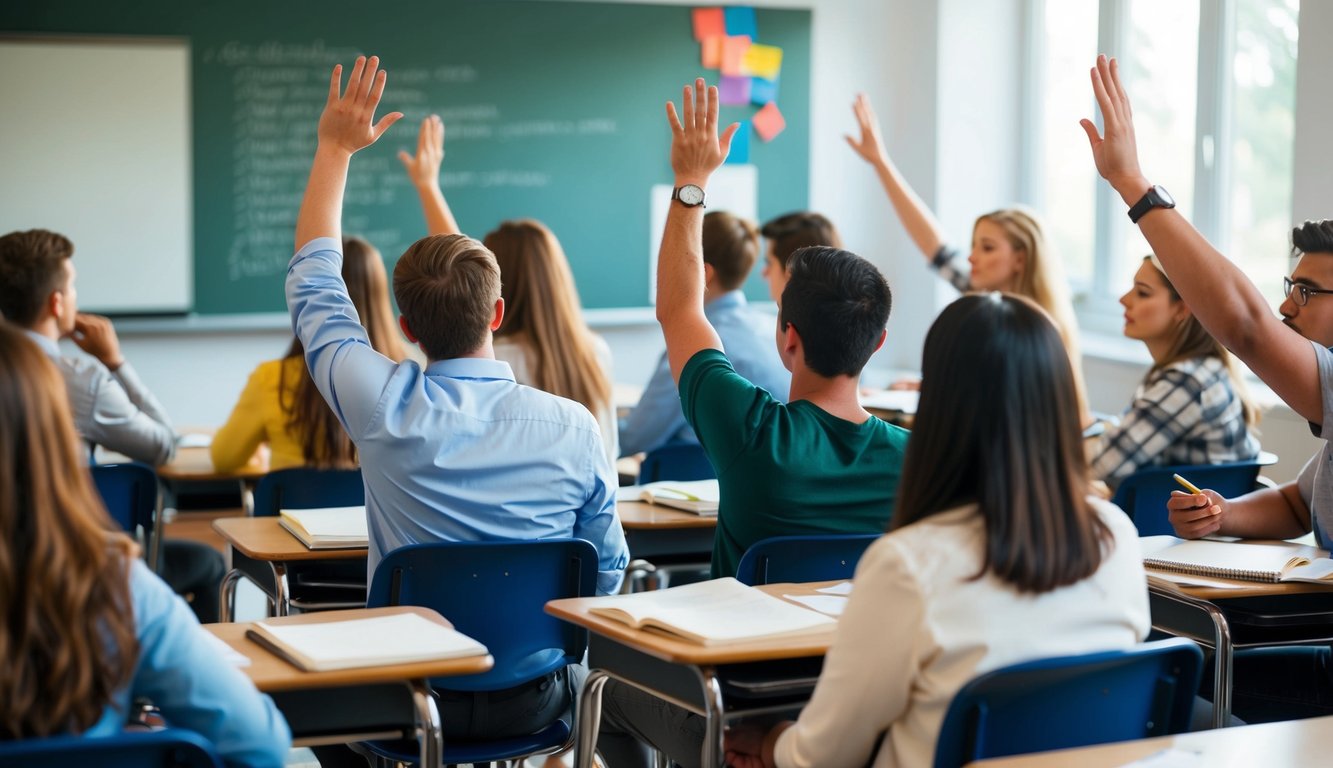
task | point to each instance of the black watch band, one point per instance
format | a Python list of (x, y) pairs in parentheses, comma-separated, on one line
[(1156, 197)]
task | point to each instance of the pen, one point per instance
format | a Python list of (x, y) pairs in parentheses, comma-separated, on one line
[(1191, 487)]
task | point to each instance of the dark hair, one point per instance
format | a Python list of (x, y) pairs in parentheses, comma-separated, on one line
[(839, 304), (791, 232), (32, 267), (447, 286), (731, 247), (1312, 237), (998, 425)]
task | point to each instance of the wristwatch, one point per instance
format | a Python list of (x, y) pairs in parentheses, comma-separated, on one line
[(689, 196), (1157, 197)]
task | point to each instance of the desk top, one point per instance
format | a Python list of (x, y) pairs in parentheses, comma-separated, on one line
[(641, 516), (575, 611), (262, 538), (1295, 742), (197, 464), (270, 673), (1230, 588)]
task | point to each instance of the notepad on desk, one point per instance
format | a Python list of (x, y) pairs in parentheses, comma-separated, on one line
[(717, 612), (697, 496), (404, 638), (327, 528), (1247, 561)]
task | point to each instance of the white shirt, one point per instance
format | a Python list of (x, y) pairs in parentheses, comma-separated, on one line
[(918, 627)]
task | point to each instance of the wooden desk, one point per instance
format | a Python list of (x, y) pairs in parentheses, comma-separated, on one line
[(896, 406), (195, 465), (688, 675), (261, 549), (1293, 743), (354, 704)]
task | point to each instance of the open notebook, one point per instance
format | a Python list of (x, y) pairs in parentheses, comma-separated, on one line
[(717, 612), (327, 528), (403, 638), (1247, 561), (697, 496)]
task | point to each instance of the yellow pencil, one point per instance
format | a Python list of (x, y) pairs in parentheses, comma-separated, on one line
[(1191, 487)]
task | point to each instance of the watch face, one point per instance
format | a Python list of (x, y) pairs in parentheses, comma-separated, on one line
[(1164, 196), (690, 195)]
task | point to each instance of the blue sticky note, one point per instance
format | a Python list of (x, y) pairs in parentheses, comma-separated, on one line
[(740, 145), (763, 91), (741, 21)]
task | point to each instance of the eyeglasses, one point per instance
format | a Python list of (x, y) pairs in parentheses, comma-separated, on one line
[(1300, 293)]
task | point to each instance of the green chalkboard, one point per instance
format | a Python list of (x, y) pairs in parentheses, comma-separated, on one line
[(552, 110)]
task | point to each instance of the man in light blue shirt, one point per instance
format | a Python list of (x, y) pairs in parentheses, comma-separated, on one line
[(731, 248)]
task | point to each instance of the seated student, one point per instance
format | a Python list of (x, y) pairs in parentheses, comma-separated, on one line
[(1009, 250), (786, 235), (1192, 407), (954, 590), (458, 451), (730, 248), (88, 628), (1290, 355), (543, 337), (111, 406), (280, 405)]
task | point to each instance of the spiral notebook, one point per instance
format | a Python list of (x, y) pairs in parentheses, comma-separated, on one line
[(1247, 561)]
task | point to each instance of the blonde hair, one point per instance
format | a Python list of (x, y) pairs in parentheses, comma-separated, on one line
[(542, 311), (67, 644)]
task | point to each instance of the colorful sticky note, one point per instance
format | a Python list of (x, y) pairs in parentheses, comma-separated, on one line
[(762, 61), (769, 122), (709, 22), (733, 91), (733, 55), (710, 51), (740, 145), (763, 91), (741, 21)]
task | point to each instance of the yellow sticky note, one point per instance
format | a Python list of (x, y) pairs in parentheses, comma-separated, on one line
[(762, 61), (710, 51), (733, 54)]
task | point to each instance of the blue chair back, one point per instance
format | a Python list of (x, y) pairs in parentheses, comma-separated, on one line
[(496, 592), (1072, 701), (803, 558), (676, 461), (304, 488), (170, 748), (129, 492), (1143, 494)]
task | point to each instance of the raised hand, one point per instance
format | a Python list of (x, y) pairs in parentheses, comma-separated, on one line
[(870, 146), (1195, 515), (1115, 151), (696, 148), (347, 122), (96, 335), (423, 168)]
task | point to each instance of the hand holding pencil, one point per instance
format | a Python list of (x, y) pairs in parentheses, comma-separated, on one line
[(1197, 513)]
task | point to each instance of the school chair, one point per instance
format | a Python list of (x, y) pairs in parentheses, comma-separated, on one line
[(131, 495), (170, 748), (1072, 701), (676, 461), (803, 558), (1143, 494), (495, 592)]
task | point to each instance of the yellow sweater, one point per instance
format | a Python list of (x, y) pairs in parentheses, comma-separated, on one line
[(259, 418)]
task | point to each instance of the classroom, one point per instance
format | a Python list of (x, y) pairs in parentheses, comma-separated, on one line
[(541, 123)]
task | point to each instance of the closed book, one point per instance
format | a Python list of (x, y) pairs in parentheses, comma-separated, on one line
[(403, 638), (327, 528)]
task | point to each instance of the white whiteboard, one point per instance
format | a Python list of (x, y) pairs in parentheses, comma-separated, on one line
[(96, 145)]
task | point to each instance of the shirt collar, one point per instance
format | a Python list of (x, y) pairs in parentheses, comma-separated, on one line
[(47, 344), (471, 368), (727, 302)]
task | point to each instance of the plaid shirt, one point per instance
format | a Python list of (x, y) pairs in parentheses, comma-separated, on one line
[(1186, 413), (946, 262)]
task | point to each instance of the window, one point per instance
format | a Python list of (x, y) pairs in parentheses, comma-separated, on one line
[(1214, 87)]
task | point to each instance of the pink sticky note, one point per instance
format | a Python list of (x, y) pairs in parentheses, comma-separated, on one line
[(733, 55), (710, 51), (733, 90), (768, 122), (709, 22)]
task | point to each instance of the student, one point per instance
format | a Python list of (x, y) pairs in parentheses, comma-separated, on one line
[(1192, 407), (1009, 250), (111, 406), (88, 629), (458, 451), (786, 235), (730, 248), (543, 337), (280, 405), (1290, 355), (954, 591)]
